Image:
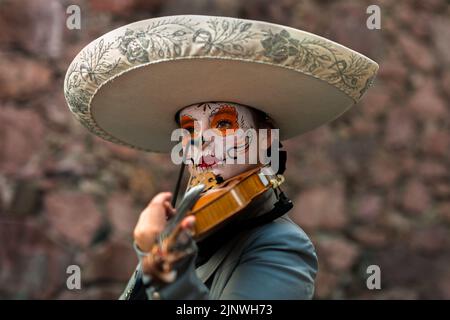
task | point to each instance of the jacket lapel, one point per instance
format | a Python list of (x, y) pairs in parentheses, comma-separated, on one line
[(205, 271)]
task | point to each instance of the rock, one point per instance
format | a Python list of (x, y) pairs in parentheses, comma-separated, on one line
[(363, 126), (338, 254), (116, 7), (231, 8), (70, 52), (427, 104), (431, 5), (321, 208), (155, 5), (35, 26), (416, 197), (21, 77), (433, 170), (376, 101), (444, 284), (368, 207), (73, 215), (2, 200), (404, 13), (315, 167), (419, 55), (398, 224), (390, 26), (421, 27), (141, 184), (21, 138), (446, 82), (441, 189), (383, 169), (370, 237), (416, 269), (122, 215), (397, 293), (400, 128), (27, 197), (124, 8), (304, 14), (121, 152), (75, 161), (441, 39), (318, 137), (436, 143), (344, 27), (444, 211), (351, 155), (393, 74), (6, 193), (32, 266), (326, 283), (114, 261), (57, 111), (430, 240), (407, 162), (415, 266), (98, 292)]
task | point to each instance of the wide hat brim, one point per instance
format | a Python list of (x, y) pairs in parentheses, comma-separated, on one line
[(127, 85)]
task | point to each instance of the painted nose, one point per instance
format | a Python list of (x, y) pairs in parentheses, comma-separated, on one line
[(205, 142), (200, 139)]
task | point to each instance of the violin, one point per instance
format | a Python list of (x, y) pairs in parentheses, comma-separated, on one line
[(213, 205), (217, 206)]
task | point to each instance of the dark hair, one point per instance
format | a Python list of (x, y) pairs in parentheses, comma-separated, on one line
[(263, 121)]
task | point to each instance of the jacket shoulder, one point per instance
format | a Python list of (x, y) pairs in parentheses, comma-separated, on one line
[(278, 255), (280, 232)]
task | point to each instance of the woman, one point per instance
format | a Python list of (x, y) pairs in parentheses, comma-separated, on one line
[(224, 78)]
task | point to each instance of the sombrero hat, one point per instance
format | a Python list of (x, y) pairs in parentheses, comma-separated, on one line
[(127, 85)]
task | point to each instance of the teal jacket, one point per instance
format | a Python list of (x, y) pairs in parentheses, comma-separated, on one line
[(273, 261)]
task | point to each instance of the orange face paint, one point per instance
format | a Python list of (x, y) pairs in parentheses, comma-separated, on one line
[(187, 122), (225, 118)]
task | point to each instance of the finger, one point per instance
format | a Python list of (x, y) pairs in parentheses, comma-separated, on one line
[(188, 223), (149, 226), (161, 197), (172, 258), (155, 212), (168, 277), (186, 231), (170, 211), (158, 269), (151, 221)]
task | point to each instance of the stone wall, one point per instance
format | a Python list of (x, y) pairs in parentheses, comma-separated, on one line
[(372, 187)]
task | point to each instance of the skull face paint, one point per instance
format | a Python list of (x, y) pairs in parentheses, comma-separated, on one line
[(222, 133)]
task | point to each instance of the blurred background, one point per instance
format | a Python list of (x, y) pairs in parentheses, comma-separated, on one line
[(372, 187)]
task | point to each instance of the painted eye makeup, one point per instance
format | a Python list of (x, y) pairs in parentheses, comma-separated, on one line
[(224, 124), (187, 123), (225, 118)]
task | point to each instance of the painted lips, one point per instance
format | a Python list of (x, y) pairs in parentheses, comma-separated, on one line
[(207, 161)]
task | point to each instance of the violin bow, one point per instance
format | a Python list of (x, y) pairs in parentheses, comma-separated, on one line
[(180, 176), (186, 204)]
